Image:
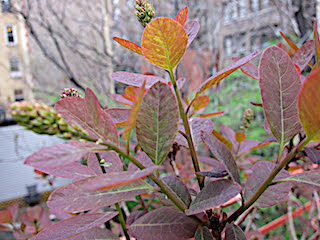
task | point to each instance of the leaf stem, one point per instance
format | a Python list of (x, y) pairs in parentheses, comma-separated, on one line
[(267, 182), (184, 118), (122, 221)]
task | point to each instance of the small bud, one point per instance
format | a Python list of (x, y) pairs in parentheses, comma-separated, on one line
[(102, 161), (247, 118), (69, 92), (145, 12)]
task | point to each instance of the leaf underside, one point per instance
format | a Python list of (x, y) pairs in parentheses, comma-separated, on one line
[(233, 232)]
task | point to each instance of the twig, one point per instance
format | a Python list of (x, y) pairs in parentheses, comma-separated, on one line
[(291, 224)]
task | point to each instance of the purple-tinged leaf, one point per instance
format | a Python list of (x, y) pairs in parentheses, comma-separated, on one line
[(249, 69), (179, 189), (143, 159), (274, 194), (99, 120), (313, 154), (267, 127), (121, 99), (136, 79), (115, 179), (280, 85), (55, 156), (163, 223), (119, 115), (74, 171), (316, 43), (233, 232), (181, 82), (223, 154), (134, 217), (182, 16), (192, 28), (249, 145), (96, 233), (196, 126), (203, 233), (14, 210), (157, 122), (211, 161), (221, 138), (129, 45), (164, 42), (75, 225), (213, 195), (225, 72), (304, 55), (309, 108), (74, 198), (215, 173), (311, 177), (228, 133), (111, 158), (92, 146)]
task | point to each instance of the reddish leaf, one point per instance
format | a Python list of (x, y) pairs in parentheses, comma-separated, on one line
[(249, 69), (157, 121), (204, 115), (223, 154), (179, 189), (256, 104), (196, 126), (215, 173), (164, 42), (115, 179), (211, 161), (131, 123), (225, 72), (316, 43), (95, 233), (203, 233), (75, 225), (182, 16), (280, 85), (14, 210), (249, 145), (233, 232), (228, 133), (309, 108), (120, 99), (99, 121), (74, 198), (200, 102), (129, 90), (163, 223), (304, 55), (240, 136), (129, 45), (55, 156), (119, 115), (143, 159), (311, 177), (111, 158), (213, 195), (222, 139), (74, 171), (135, 79), (274, 194), (291, 44), (313, 154), (5, 216), (192, 28)]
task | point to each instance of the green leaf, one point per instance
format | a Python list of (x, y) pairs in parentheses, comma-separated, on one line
[(311, 177), (164, 42), (203, 233), (213, 195), (233, 232), (157, 122), (163, 223), (280, 85), (309, 107)]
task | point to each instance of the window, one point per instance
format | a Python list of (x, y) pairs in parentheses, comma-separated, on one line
[(242, 8), (10, 32), (14, 67), (18, 95), (228, 45), (5, 5)]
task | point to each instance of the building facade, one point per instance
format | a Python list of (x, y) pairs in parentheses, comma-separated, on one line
[(15, 77)]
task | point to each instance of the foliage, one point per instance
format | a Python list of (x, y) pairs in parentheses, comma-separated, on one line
[(179, 208)]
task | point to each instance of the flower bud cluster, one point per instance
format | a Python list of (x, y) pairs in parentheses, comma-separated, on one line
[(40, 118), (145, 12), (247, 118), (69, 92)]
